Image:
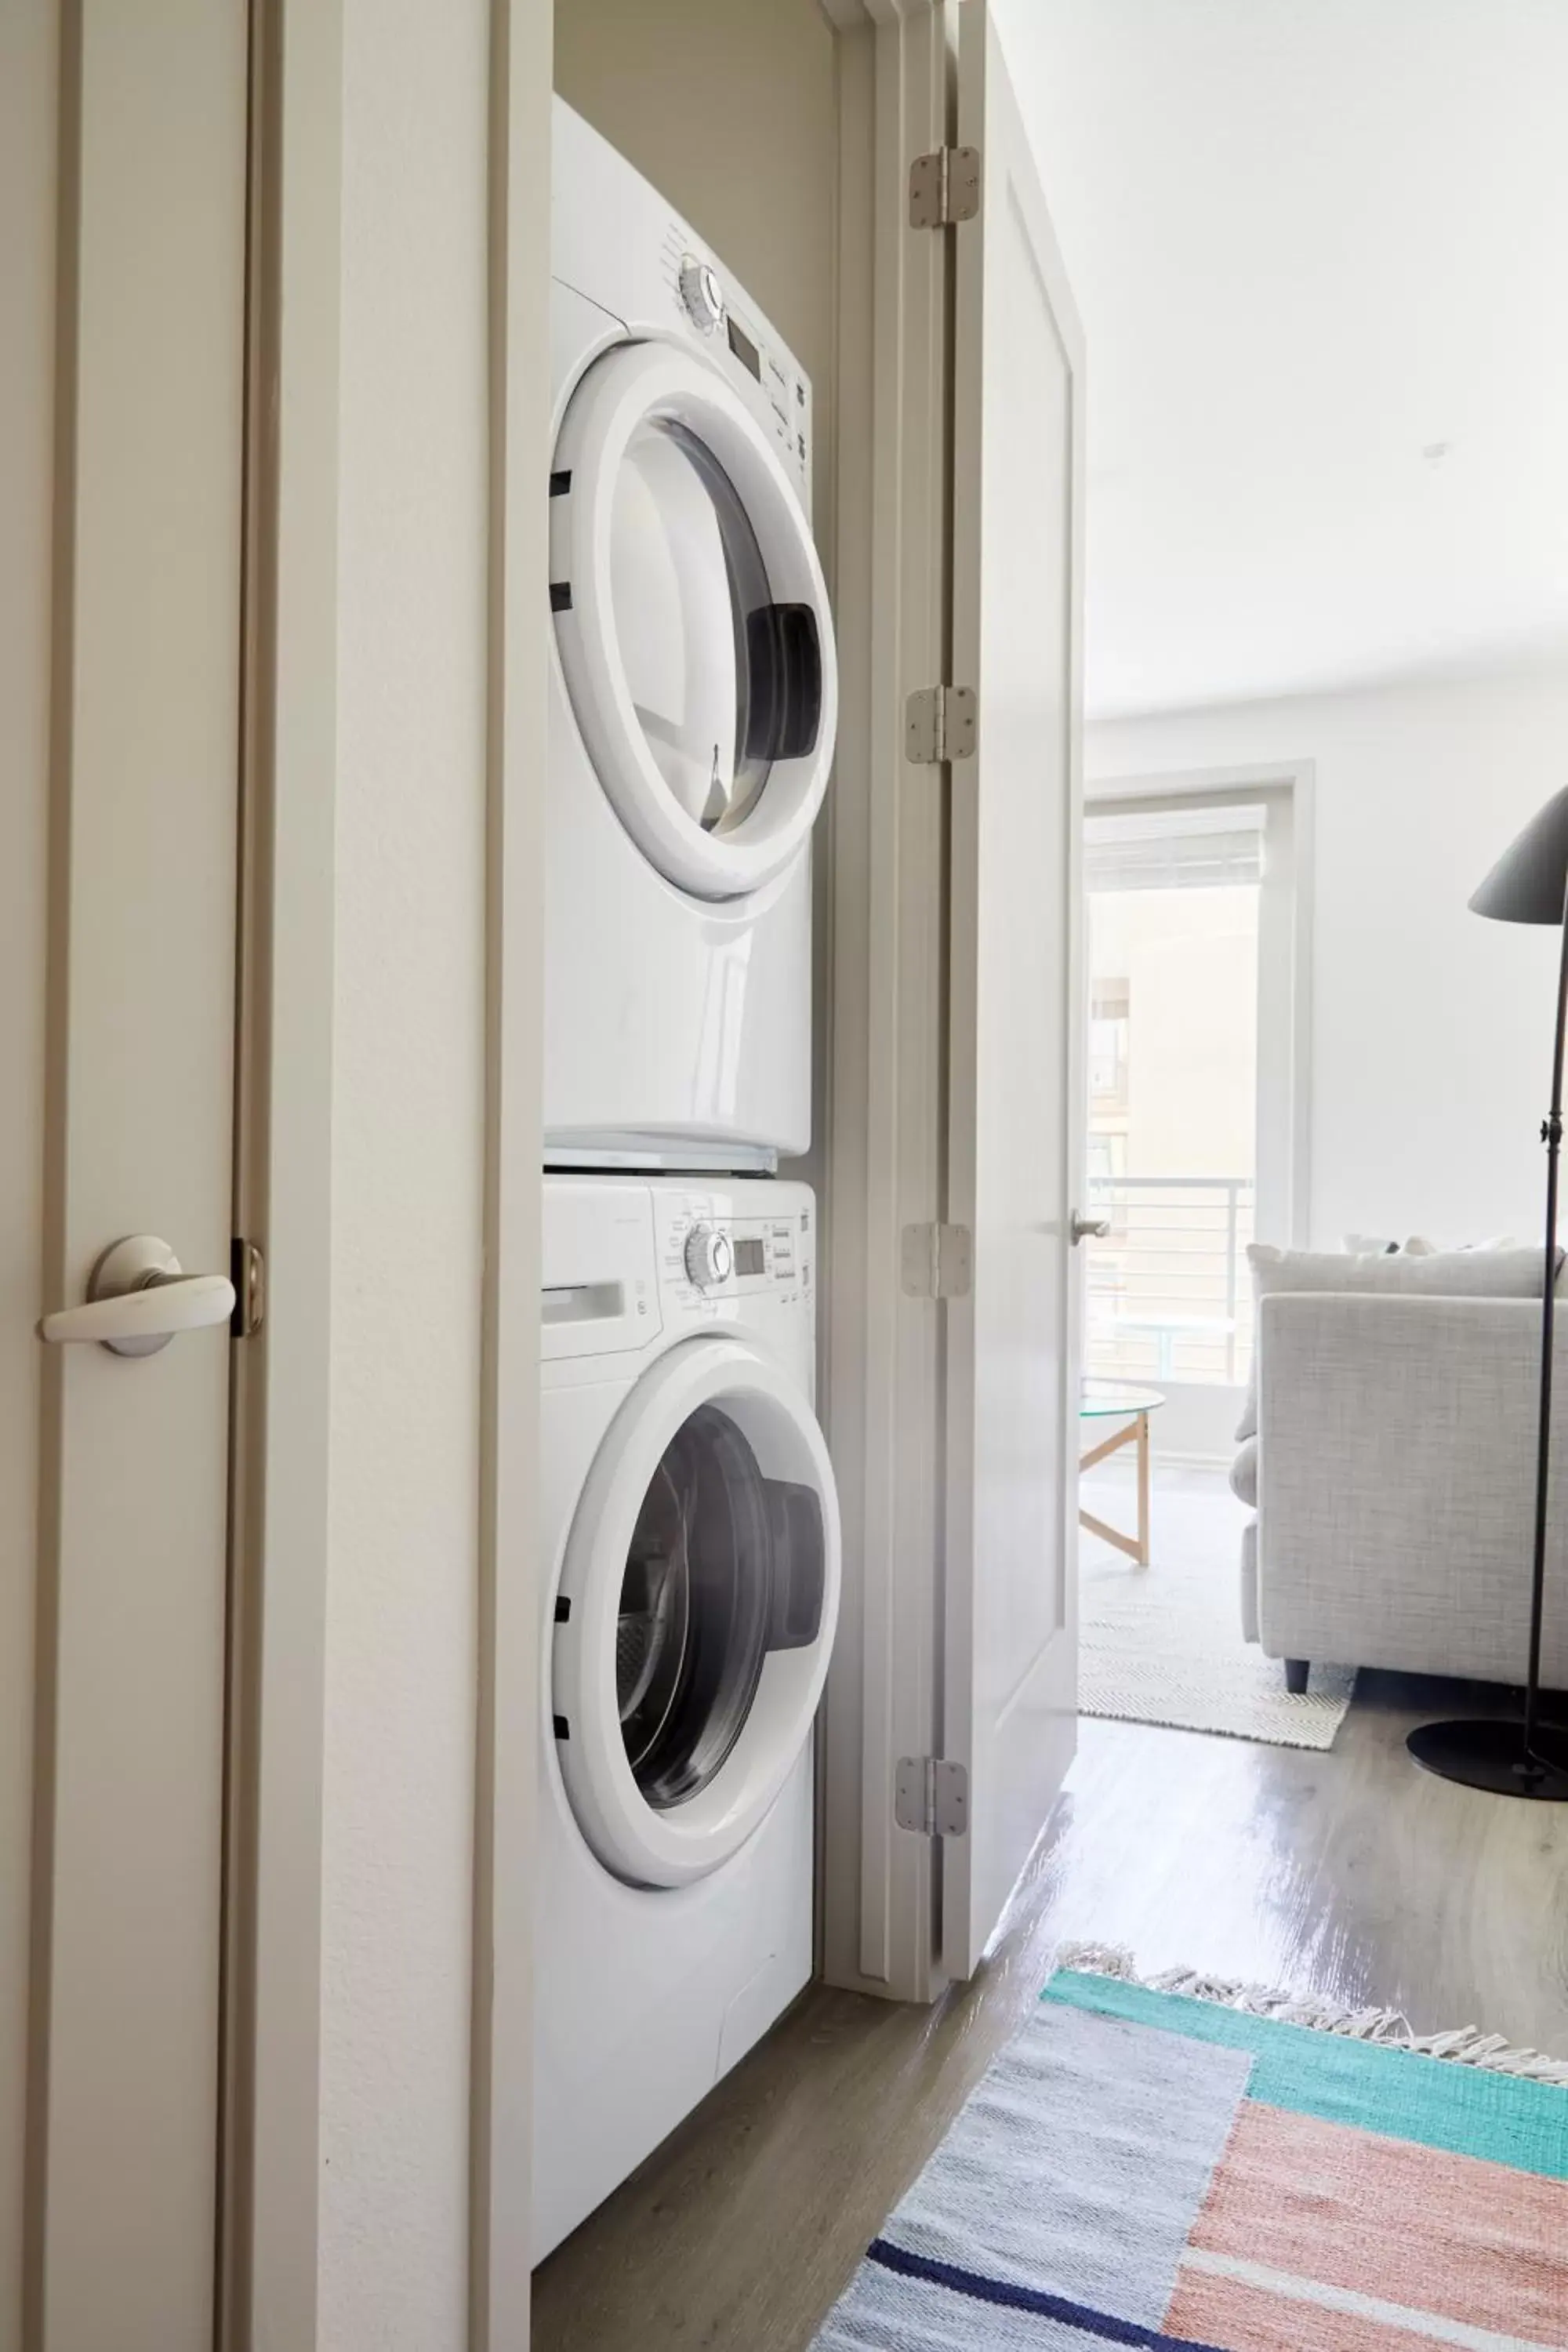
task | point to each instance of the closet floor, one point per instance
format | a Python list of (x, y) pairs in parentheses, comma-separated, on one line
[(1350, 1873)]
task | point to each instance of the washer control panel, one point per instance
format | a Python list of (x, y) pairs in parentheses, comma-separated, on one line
[(709, 1255)]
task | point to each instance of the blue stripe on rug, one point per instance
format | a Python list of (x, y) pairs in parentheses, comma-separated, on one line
[(1102, 2324)]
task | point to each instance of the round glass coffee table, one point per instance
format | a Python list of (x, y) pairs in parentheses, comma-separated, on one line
[(1107, 1400)]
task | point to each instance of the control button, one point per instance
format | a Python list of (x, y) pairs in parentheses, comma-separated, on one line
[(701, 293), (709, 1256)]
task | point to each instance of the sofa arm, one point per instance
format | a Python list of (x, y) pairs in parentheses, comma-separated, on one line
[(1397, 1483)]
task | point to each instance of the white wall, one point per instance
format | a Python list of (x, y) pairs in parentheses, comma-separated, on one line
[(1431, 1028), (407, 1149)]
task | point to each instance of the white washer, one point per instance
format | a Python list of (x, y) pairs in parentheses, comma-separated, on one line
[(693, 694), (689, 1566)]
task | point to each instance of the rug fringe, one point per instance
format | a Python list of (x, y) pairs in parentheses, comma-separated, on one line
[(1466, 2045)]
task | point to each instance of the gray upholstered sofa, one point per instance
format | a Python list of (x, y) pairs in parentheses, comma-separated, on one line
[(1392, 1474)]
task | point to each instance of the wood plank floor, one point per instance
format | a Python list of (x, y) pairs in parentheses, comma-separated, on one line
[(1351, 1874)]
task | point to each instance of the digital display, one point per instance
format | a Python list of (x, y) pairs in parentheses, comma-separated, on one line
[(745, 351), (750, 1257)]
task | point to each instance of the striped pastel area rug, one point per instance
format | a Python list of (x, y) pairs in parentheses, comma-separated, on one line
[(1143, 2168)]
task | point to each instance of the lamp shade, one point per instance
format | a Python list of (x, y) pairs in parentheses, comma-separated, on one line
[(1529, 884)]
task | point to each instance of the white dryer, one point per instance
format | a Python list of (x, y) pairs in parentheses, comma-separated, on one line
[(693, 694), (689, 1589)]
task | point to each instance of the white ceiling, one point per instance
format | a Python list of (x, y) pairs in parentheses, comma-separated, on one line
[(1321, 248)]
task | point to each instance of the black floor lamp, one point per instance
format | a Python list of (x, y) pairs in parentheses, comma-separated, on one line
[(1529, 884)]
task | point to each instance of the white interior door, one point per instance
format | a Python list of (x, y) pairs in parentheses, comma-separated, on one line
[(1015, 1114), (147, 350)]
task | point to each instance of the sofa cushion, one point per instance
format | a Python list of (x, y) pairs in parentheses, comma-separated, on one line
[(1244, 1474), (1446, 1274)]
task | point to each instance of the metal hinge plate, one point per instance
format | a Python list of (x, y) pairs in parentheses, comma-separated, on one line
[(936, 1261), (941, 722), (248, 1272), (945, 186), (930, 1796)]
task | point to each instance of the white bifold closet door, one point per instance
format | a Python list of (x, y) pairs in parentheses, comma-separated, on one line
[(1013, 1344), (142, 345)]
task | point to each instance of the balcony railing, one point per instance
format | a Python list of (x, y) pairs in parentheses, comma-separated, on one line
[(1168, 1293)]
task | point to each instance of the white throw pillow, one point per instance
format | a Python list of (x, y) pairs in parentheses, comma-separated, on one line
[(1443, 1273), (1417, 1246)]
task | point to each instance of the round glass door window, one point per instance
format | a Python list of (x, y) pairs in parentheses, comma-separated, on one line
[(724, 1566), (691, 620), (724, 681)]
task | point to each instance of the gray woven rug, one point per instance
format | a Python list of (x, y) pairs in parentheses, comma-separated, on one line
[(1164, 1644)]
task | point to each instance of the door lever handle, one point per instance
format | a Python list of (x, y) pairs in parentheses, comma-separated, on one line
[(138, 1300), (1088, 1229)]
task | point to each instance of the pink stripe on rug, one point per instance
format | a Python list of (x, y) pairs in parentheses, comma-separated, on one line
[(1474, 2242), (1249, 2318)]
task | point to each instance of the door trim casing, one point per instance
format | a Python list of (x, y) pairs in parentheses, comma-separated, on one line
[(270, 2124), (501, 2061), (882, 1036)]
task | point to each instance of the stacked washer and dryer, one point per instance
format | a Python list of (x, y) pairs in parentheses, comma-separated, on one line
[(689, 1555)]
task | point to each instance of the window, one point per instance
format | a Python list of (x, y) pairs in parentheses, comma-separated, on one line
[(1188, 1031)]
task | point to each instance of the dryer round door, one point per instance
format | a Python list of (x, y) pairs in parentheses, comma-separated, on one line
[(695, 1613), (691, 619)]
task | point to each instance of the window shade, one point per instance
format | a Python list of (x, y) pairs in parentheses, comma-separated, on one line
[(1173, 849)]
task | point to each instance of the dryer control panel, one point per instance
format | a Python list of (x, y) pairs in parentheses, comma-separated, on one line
[(616, 239), (747, 352)]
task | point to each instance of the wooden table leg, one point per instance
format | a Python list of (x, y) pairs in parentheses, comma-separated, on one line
[(1136, 1547)]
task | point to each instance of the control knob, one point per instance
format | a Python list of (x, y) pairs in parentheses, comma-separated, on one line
[(709, 1256), (701, 293)]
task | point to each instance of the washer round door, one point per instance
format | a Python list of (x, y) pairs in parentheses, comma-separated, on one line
[(695, 1613), (691, 619)]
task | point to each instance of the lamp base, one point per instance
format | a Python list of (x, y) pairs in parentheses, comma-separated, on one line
[(1490, 1755)]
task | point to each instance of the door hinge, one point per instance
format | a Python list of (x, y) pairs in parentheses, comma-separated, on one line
[(936, 1261), (248, 1272), (945, 186), (940, 723), (930, 1796)]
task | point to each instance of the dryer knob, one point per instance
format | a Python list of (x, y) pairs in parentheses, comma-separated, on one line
[(701, 293), (709, 1256)]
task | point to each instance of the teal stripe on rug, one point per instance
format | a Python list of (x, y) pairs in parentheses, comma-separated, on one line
[(1435, 2103)]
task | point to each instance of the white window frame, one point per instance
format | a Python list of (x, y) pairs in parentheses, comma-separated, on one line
[(1288, 793)]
